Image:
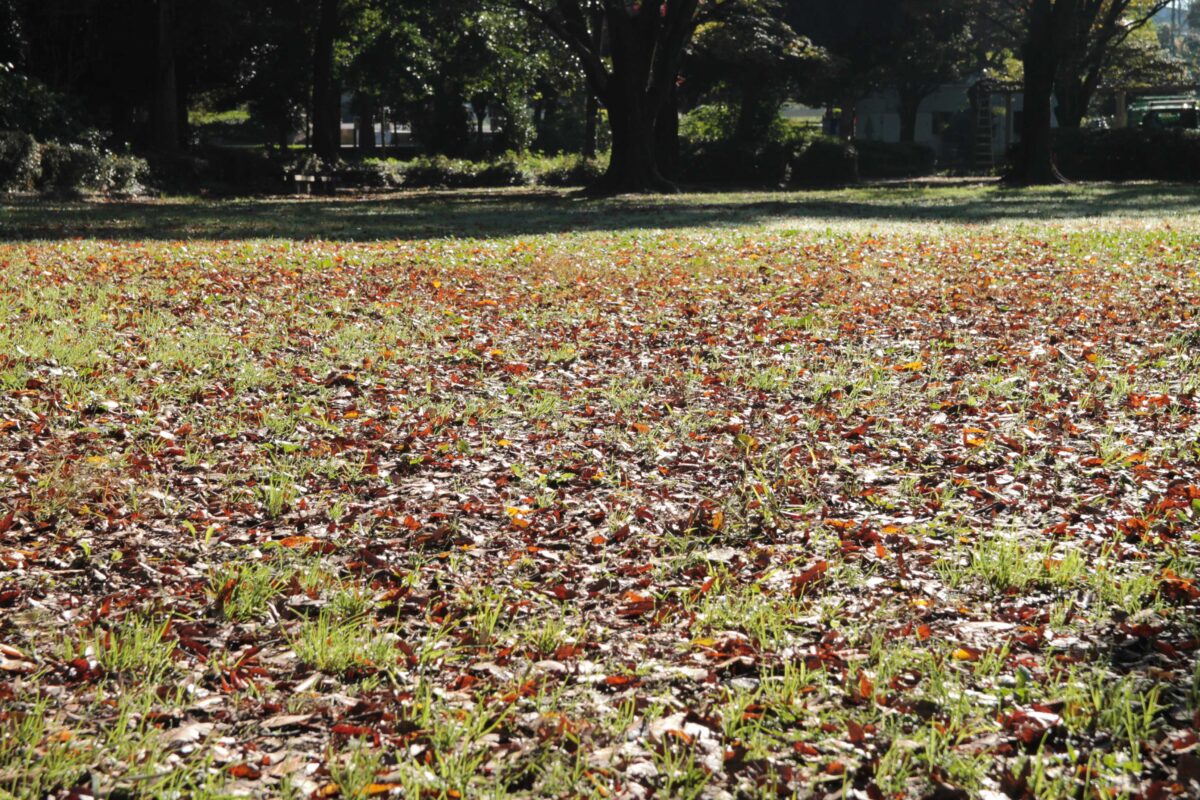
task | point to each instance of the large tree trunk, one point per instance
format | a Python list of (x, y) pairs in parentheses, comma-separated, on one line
[(1040, 57), (165, 114), (596, 37), (666, 135), (1072, 100), (633, 107), (592, 119), (326, 114), (632, 167)]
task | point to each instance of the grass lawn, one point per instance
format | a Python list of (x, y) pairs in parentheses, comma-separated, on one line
[(857, 494)]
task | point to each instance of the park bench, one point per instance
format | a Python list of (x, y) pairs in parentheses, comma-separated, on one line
[(313, 184)]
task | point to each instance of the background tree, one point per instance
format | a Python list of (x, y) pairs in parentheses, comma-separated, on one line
[(855, 35), (326, 99), (636, 82), (745, 53), (935, 42), (1061, 42), (1098, 45)]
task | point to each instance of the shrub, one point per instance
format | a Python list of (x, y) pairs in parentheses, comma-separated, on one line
[(763, 164), (505, 172), (825, 162), (438, 172), (894, 160), (72, 169), (1126, 154), (28, 105), (19, 161), (127, 175), (568, 171), (371, 173), (708, 124)]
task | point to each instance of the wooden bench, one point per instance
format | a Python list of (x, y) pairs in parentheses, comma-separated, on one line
[(314, 184)]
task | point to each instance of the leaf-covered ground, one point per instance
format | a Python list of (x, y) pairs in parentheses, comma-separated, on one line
[(736, 513)]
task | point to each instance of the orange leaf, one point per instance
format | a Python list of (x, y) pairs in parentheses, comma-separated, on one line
[(865, 687)]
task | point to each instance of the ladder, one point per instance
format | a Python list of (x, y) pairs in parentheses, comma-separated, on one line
[(985, 154)]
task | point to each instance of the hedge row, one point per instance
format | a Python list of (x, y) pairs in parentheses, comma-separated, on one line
[(1127, 154), (812, 161), (439, 172), (68, 169)]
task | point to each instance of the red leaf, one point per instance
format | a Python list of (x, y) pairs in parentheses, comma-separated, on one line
[(802, 582)]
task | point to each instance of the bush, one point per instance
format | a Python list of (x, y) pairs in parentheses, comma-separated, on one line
[(708, 124), (1126, 154), (127, 175), (729, 163), (568, 171), (372, 173), (505, 172), (72, 169), (19, 161), (894, 160), (438, 172), (825, 162), (28, 105)]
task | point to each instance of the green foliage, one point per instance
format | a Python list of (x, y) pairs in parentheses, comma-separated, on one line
[(447, 173), (19, 161), (439, 172), (1125, 154), (27, 105), (573, 170), (825, 162), (712, 153), (894, 159), (74, 169), (708, 124), (791, 154)]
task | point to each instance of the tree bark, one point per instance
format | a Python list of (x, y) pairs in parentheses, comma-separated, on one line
[(592, 119), (1072, 99), (632, 167), (848, 121), (165, 113), (1040, 57), (326, 114), (666, 135), (646, 43), (366, 124), (911, 98), (757, 110)]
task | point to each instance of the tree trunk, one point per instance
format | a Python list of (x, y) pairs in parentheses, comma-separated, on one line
[(366, 125), (632, 167), (592, 118), (848, 121), (1040, 57), (666, 135), (634, 106), (326, 114), (910, 106), (165, 114), (747, 128), (1073, 98)]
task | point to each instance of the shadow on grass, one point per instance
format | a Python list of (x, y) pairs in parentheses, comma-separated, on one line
[(506, 213)]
